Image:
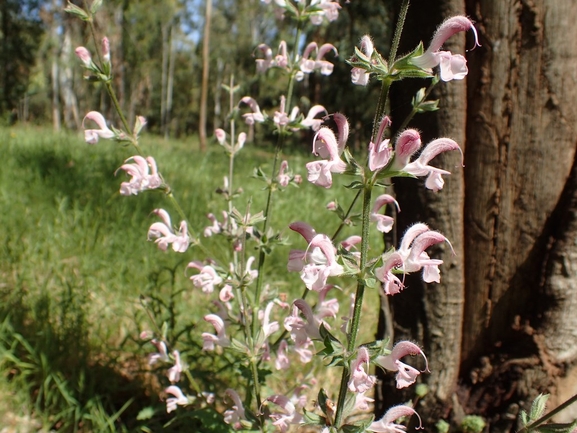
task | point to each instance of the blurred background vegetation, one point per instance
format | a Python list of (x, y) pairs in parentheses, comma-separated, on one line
[(157, 60)]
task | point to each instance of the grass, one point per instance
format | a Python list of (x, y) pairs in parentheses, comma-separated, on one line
[(74, 263)]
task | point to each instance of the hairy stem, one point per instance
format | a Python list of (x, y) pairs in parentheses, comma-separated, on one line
[(545, 418), (355, 321), (398, 31)]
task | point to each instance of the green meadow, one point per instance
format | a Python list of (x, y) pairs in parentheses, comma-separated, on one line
[(79, 281)]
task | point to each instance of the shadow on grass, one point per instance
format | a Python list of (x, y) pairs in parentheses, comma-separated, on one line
[(45, 351)]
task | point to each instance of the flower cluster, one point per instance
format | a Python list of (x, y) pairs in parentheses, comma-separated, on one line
[(251, 319)]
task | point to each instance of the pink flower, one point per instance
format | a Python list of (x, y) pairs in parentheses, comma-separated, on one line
[(302, 330), (279, 61), (309, 65), (165, 236), (418, 259), (105, 49), (391, 283), (384, 222), (262, 65), (413, 245), (282, 361), (236, 414), (360, 380), (281, 118), (380, 152), (326, 145), (141, 176), (406, 375), (298, 258), (281, 58), (310, 121), (220, 338), (162, 354), (215, 228), (176, 369), (206, 279), (178, 399), (268, 327), (328, 10), (453, 66), (283, 178), (358, 75), (421, 167), (407, 144), (91, 135), (387, 423), (322, 266), (230, 148), (225, 293), (286, 415), (256, 115), (84, 55), (362, 402)]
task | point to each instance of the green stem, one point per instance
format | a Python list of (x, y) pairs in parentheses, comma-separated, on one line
[(381, 107), (414, 110), (398, 32), (346, 216), (550, 415), (267, 216), (354, 326), (116, 104), (267, 211)]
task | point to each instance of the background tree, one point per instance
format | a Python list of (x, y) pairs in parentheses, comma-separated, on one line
[(20, 31), (501, 329)]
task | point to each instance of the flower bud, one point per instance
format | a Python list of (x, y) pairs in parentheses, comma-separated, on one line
[(83, 54), (105, 50)]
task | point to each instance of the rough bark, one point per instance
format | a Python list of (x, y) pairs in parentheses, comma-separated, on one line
[(519, 123), (205, 75)]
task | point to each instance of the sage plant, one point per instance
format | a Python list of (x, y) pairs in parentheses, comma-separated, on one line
[(249, 319)]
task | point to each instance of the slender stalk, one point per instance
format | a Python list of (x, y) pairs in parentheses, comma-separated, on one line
[(116, 104), (398, 31), (382, 104), (110, 90), (548, 416), (414, 110), (381, 107), (354, 330), (268, 207), (346, 216), (267, 216)]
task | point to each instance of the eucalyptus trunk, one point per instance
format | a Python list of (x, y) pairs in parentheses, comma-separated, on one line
[(501, 326)]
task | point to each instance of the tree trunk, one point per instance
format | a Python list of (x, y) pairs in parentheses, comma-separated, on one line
[(497, 327), (205, 74)]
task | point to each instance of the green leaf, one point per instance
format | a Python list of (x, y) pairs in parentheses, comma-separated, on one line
[(146, 413), (538, 406), (71, 8), (312, 418), (404, 62), (290, 8), (358, 427), (473, 424), (322, 400), (236, 345), (442, 426), (558, 428), (428, 106), (96, 4), (421, 390), (355, 185)]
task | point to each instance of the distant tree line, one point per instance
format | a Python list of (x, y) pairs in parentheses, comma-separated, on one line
[(156, 52)]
